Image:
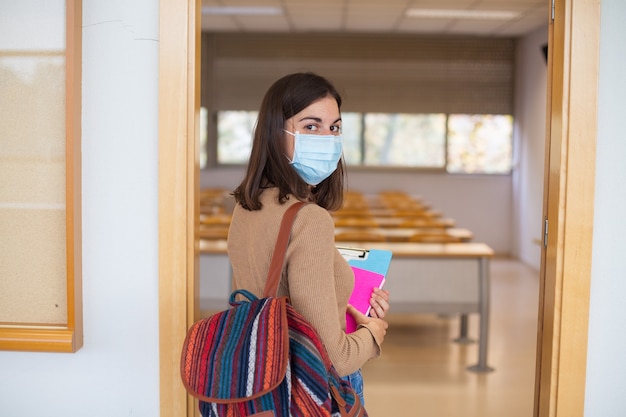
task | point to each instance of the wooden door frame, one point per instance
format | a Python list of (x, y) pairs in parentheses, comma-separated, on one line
[(179, 105), (569, 183), (568, 202)]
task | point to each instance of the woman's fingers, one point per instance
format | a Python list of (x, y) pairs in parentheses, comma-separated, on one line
[(379, 303)]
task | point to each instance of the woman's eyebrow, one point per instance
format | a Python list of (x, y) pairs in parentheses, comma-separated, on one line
[(316, 119)]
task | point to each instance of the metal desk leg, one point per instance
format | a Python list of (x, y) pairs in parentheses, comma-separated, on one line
[(484, 297), (463, 339)]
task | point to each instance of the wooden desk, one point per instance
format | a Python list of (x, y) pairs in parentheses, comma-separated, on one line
[(215, 247), (427, 223), (386, 212), (218, 232), (402, 234), (213, 219), (365, 221), (469, 250), (441, 278), (430, 278)]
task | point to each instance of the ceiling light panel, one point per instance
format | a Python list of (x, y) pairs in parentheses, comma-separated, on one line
[(242, 10), (376, 16), (462, 14), (212, 23), (308, 16), (263, 23)]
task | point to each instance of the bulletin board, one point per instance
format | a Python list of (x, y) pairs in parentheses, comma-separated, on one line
[(40, 192)]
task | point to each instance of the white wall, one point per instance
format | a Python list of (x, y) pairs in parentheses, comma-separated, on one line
[(530, 139), (116, 373), (606, 360)]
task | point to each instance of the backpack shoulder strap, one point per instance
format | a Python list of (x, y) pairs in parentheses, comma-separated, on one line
[(278, 257)]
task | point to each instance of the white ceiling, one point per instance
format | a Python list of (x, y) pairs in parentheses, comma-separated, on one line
[(379, 16)]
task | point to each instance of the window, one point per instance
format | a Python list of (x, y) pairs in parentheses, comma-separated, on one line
[(458, 143), (479, 143), (204, 136), (234, 133), (405, 140)]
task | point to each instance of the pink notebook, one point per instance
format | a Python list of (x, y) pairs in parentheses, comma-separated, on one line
[(364, 283)]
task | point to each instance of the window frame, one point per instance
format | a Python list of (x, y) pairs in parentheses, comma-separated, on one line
[(213, 160)]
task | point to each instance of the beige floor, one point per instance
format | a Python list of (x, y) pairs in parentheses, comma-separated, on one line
[(422, 372)]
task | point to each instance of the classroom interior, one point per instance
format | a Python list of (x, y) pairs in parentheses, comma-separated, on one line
[(424, 370)]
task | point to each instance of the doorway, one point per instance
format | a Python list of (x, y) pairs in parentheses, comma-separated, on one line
[(562, 320)]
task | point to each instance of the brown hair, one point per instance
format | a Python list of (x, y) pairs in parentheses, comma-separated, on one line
[(268, 166)]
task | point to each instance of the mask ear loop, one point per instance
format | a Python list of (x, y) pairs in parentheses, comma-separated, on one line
[(294, 145)]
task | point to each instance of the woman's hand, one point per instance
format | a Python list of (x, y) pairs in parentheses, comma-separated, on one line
[(379, 303), (378, 327)]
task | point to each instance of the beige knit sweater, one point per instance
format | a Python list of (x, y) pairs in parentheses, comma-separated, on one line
[(316, 278)]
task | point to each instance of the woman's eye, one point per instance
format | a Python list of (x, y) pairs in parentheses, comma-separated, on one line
[(312, 128), (335, 129)]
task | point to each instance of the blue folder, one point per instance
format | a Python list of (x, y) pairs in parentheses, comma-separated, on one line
[(374, 260)]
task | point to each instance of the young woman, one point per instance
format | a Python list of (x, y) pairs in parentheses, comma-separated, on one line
[(296, 156)]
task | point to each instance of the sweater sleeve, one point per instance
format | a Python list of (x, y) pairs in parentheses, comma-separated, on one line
[(319, 284)]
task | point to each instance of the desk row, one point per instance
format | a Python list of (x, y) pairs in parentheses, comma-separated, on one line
[(346, 234), (360, 222)]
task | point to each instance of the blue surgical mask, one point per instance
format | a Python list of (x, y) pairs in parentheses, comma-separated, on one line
[(315, 157)]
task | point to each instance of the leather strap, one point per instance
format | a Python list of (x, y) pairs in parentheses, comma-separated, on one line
[(280, 249)]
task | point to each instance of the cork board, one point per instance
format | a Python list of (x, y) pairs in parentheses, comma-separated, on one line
[(33, 256)]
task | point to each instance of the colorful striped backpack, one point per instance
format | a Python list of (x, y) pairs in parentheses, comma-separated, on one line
[(261, 358)]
